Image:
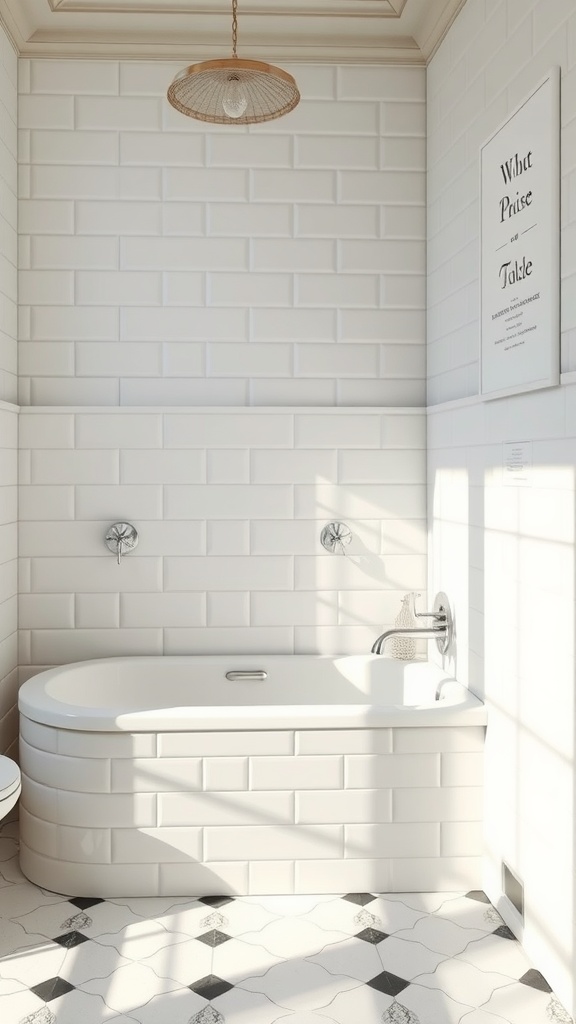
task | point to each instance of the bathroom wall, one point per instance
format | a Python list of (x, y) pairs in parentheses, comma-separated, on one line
[(167, 265), (8, 395), (229, 505), (165, 261), (505, 552)]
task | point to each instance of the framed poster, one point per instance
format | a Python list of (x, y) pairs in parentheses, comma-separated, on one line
[(520, 247)]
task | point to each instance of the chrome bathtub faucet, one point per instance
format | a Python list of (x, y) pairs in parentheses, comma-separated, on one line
[(442, 629)]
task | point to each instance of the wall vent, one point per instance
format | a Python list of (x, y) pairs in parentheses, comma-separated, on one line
[(513, 889)]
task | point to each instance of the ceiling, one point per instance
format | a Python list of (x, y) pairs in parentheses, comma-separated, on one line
[(356, 31)]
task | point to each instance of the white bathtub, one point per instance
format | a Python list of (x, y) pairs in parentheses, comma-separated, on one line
[(161, 776)]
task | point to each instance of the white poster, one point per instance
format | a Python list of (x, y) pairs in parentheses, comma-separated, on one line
[(520, 248)]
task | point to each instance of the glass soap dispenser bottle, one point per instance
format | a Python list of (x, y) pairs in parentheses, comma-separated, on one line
[(404, 647)]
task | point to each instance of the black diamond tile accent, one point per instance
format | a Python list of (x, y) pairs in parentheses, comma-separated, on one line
[(504, 932), (388, 983), (84, 902), (372, 935), (216, 901), (214, 938), (534, 979), (71, 939), (52, 988), (478, 895), (210, 987), (359, 898)]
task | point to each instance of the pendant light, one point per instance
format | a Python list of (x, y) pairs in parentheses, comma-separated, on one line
[(233, 90)]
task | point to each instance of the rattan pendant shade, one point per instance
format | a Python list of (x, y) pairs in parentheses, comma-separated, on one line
[(233, 90)]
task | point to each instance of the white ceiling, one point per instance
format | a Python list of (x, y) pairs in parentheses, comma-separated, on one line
[(359, 31)]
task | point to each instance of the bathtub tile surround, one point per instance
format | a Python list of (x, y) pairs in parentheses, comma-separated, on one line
[(166, 261), (407, 958), (229, 506), (287, 811)]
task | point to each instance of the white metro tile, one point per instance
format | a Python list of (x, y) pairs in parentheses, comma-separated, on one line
[(154, 845), (229, 609), (294, 609), (150, 775), (231, 573), (289, 773), (226, 430), (98, 611), (269, 842), (225, 744), (392, 771), (216, 809), (230, 640), (224, 774), (457, 803), (55, 646), (148, 610), (337, 806), (118, 431), (392, 840), (228, 537), (57, 575), (46, 611)]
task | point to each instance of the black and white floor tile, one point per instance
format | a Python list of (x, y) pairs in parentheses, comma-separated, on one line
[(359, 958)]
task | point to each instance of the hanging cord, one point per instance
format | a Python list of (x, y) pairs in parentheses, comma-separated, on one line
[(234, 27)]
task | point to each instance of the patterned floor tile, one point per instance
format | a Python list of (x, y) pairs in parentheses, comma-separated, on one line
[(518, 1004), (408, 959), (481, 1017), (362, 1005), (183, 962), (497, 955), (18, 1006), (33, 965), (238, 1006), (13, 937), (433, 1007), (293, 937), (80, 1006), (129, 987), (178, 1007), (463, 982), (89, 961), (352, 957), (361, 958), (20, 899), (470, 913), (142, 939), (341, 915), (299, 985), (287, 906), (440, 935), (238, 959), (48, 920)]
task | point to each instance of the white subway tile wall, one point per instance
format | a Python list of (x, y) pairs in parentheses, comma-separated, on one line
[(504, 553), (297, 811), (169, 262), (8, 579), (8, 396), (229, 506)]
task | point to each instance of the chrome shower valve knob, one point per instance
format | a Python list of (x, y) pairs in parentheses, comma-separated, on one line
[(121, 538)]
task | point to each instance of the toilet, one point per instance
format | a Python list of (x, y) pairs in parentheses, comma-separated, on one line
[(10, 785)]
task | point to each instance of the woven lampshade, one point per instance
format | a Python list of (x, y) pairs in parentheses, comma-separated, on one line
[(233, 90)]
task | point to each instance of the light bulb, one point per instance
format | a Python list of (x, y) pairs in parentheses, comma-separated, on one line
[(234, 101)]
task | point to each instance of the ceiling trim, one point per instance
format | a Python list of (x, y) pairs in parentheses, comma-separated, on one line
[(257, 8), (414, 49)]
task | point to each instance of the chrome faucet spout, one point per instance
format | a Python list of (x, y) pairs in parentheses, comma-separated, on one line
[(430, 633), (441, 630)]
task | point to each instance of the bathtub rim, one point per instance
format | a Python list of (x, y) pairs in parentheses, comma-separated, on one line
[(457, 706)]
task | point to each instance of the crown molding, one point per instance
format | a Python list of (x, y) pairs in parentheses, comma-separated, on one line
[(299, 31), (435, 26)]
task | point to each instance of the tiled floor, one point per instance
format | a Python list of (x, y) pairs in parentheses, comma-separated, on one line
[(361, 958)]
